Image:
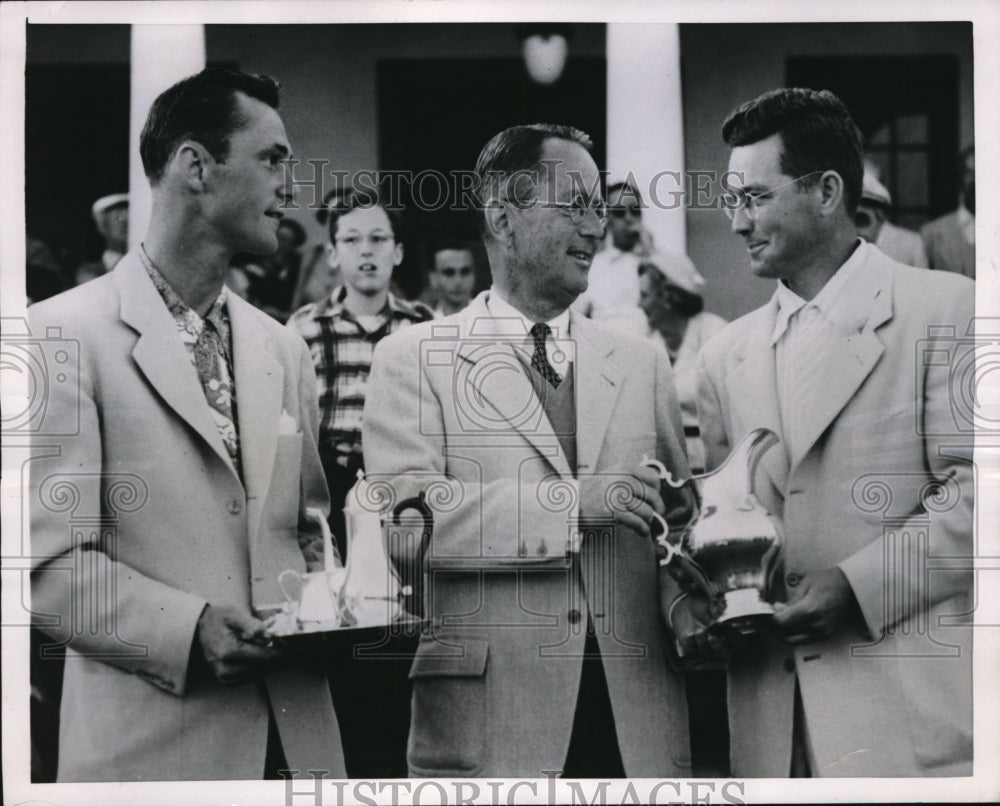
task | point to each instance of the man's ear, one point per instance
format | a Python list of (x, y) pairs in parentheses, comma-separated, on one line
[(191, 163), (397, 254), (831, 186), (332, 260), (498, 221)]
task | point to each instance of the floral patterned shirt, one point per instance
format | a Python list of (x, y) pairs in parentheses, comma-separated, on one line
[(209, 345)]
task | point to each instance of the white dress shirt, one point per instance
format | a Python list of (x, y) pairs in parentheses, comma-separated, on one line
[(803, 341)]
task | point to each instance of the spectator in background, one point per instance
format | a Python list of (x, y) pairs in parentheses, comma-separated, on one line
[(898, 243), (950, 241), (343, 329), (273, 278), (371, 693), (452, 277), (43, 277), (673, 306), (111, 219), (612, 295)]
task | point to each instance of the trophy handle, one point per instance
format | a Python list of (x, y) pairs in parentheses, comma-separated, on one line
[(413, 565)]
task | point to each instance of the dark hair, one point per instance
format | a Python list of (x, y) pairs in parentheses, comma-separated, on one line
[(685, 303), (360, 199), (817, 134), (516, 150), (447, 244), (202, 107)]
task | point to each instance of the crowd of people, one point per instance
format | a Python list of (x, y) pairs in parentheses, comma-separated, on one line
[(232, 382)]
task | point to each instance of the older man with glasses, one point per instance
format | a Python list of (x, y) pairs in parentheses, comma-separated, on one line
[(526, 425)]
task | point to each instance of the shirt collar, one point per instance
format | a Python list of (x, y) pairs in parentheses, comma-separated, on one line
[(839, 301), (217, 314), (500, 308)]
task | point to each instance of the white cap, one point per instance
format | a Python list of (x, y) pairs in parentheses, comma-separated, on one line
[(677, 269), (107, 202), (874, 191)]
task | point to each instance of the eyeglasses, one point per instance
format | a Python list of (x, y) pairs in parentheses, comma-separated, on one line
[(450, 272), (750, 203), (576, 210), (621, 212), (378, 241)]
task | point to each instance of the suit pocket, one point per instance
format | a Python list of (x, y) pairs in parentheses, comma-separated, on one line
[(448, 732), (283, 496)]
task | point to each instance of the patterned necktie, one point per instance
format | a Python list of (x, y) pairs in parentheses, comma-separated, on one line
[(540, 359)]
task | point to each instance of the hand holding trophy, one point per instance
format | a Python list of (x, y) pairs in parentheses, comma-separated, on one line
[(724, 550)]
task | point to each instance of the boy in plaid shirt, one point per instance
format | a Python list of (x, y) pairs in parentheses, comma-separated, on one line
[(343, 329), (371, 695)]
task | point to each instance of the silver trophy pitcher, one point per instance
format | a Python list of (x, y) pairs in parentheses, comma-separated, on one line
[(729, 548)]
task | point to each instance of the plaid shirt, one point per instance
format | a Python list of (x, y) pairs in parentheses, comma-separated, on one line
[(341, 351)]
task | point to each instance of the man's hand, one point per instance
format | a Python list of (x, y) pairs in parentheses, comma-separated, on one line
[(234, 644), (816, 608), (629, 495)]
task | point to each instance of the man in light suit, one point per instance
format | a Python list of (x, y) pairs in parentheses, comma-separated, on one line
[(177, 490), (526, 425), (950, 240), (868, 669)]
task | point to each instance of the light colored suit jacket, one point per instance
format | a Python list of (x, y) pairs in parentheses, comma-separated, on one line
[(947, 249), (884, 490), (139, 519), (902, 245), (451, 410)]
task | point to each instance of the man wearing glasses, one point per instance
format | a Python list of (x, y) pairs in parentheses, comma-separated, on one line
[(867, 669), (526, 425)]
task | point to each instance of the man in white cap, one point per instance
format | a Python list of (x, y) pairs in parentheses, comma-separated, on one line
[(612, 295), (111, 219), (670, 296), (897, 242)]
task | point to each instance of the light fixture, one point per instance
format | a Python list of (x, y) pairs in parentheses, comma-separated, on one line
[(544, 48)]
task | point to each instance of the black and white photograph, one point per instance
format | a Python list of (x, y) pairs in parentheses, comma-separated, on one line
[(428, 402)]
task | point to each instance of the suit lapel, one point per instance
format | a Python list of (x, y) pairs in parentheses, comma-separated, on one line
[(850, 356), (259, 380), (498, 379), (161, 356), (753, 390), (598, 383)]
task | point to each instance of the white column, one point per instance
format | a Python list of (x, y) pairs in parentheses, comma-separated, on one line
[(645, 124), (161, 56)]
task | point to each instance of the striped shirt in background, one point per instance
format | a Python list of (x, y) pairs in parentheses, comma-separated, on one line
[(341, 347)]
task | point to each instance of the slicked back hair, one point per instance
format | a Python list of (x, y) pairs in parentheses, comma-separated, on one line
[(817, 134), (203, 108), (516, 151)]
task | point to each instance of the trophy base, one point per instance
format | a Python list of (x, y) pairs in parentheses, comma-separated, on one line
[(746, 612)]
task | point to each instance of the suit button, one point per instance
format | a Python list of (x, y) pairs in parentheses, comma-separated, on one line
[(573, 616), (789, 665), (235, 506), (792, 580)]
